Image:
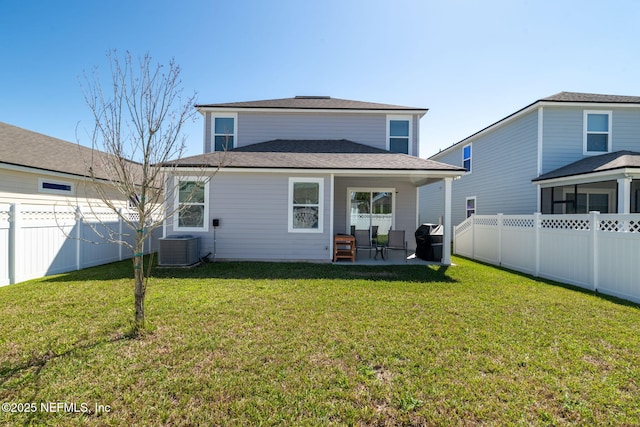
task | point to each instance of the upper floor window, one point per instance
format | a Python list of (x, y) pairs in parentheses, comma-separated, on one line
[(224, 131), (597, 132), (466, 157), (399, 134)]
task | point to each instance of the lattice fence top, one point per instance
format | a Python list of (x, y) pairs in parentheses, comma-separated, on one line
[(559, 223), (491, 221), (613, 224), (518, 222)]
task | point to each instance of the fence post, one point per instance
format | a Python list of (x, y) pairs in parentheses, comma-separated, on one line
[(537, 225), (594, 227), (14, 223), (473, 236), (78, 236), (500, 222), (120, 213)]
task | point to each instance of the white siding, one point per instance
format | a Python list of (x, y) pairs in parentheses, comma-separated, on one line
[(22, 187)]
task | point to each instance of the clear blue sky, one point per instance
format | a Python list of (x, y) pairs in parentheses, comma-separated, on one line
[(470, 63)]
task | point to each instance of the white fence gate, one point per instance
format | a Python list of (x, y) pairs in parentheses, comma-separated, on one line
[(41, 240), (596, 251)]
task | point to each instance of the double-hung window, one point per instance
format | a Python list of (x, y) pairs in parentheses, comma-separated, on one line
[(466, 157), (191, 204), (224, 131), (597, 132), (305, 205), (399, 134), (470, 206)]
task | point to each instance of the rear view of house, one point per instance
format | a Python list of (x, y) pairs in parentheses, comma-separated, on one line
[(289, 174)]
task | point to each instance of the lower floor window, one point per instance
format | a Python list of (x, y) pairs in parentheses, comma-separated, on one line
[(191, 205), (305, 205), (580, 198), (470, 206)]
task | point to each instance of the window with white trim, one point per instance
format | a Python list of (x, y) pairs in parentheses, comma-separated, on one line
[(192, 213), (52, 186), (597, 132), (466, 157), (224, 131), (305, 207), (470, 206), (399, 134)]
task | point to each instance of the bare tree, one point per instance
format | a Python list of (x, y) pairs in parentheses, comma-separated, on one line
[(139, 117)]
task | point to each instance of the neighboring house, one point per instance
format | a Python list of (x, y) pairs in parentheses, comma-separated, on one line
[(39, 169), (291, 173), (568, 153)]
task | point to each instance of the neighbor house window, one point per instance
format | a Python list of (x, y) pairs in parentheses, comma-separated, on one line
[(305, 205), (399, 134), (470, 206), (191, 204), (55, 187), (597, 132), (224, 132), (466, 157)]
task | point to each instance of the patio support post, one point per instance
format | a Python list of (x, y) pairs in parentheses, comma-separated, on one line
[(624, 195), (446, 238)]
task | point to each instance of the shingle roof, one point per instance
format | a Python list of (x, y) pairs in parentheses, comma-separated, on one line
[(592, 97), (603, 162), (312, 103), (312, 154), (23, 147)]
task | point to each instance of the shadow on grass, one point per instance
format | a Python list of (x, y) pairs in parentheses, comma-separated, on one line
[(267, 270), (33, 368), (550, 282)]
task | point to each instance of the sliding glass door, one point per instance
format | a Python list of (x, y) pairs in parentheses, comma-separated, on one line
[(371, 209)]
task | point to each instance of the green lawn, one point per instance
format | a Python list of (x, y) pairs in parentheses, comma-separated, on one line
[(305, 344)]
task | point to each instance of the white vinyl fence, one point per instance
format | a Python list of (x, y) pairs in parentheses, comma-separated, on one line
[(41, 240), (596, 251)]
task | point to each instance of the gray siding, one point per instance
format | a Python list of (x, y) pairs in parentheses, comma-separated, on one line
[(368, 129), (563, 133), (252, 209), (504, 161)]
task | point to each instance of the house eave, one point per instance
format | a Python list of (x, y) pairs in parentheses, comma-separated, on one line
[(416, 174), (204, 109), (584, 178)]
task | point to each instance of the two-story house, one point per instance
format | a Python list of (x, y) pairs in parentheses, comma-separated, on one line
[(567, 153), (289, 174)]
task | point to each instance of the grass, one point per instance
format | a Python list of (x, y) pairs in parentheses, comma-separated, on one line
[(305, 344)]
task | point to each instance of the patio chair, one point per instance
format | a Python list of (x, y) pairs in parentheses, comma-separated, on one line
[(397, 242), (363, 240)]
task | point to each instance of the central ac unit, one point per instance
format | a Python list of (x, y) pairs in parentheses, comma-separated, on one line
[(179, 250)]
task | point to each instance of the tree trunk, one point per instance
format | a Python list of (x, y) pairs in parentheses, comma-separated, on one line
[(140, 286)]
